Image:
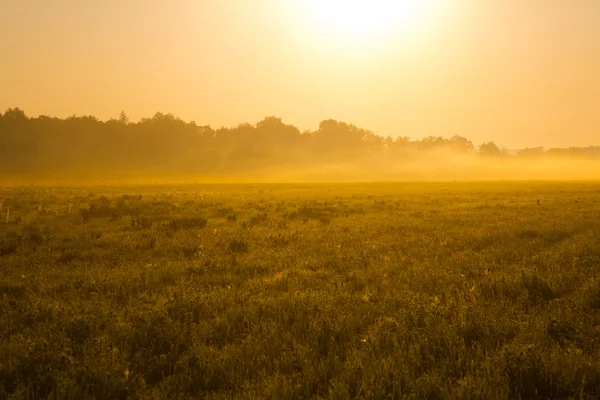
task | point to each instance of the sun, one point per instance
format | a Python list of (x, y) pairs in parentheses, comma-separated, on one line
[(364, 21)]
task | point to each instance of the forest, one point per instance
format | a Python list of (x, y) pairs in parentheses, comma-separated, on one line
[(84, 146)]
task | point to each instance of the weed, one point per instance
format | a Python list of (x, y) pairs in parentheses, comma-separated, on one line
[(538, 289), (187, 223), (238, 246), (258, 219), (140, 222)]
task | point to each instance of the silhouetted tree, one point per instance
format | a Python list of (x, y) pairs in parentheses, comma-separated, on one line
[(461, 145), (531, 152), (14, 115), (490, 149), (123, 118)]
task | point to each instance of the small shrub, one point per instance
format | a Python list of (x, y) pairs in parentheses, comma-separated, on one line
[(11, 290), (238, 246), (8, 247), (592, 295), (141, 222), (527, 234), (380, 204), (538, 289), (130, 197), (100, 210), (258, 218), (532, 377), (68, 256), (116, 214), (79, 330), (325, 220), (9, 244), (223, 212), (95, 235), (292, 215), (191, 251), (95, 210), (280, 240), (562, 332), (85, 214), (188, 223), (35, 238)]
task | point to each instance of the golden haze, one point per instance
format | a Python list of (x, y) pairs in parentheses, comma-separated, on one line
[(519, 73)]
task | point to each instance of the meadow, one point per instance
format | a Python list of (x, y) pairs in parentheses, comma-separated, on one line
[(472, 290)]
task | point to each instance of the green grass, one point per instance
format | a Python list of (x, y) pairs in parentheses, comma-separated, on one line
[(383, 290)]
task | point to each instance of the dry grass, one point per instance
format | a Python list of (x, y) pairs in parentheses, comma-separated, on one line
[(420, 290)]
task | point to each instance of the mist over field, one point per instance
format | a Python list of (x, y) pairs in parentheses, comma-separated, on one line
[(164, 148), (441, 167)]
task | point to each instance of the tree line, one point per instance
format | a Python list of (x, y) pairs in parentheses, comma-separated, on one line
[(165, 143)]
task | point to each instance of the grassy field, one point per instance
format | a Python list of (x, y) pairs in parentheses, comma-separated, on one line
[(384, 290)]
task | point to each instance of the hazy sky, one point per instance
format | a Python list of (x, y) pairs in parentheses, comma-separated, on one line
[(519, 72)]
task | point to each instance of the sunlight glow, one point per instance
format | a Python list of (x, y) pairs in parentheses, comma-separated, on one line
[(356, 22)]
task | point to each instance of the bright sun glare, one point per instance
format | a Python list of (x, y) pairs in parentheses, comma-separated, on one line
[(364, 21)]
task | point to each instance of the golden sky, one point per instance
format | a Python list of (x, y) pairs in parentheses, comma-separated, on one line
[(519, 72)]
